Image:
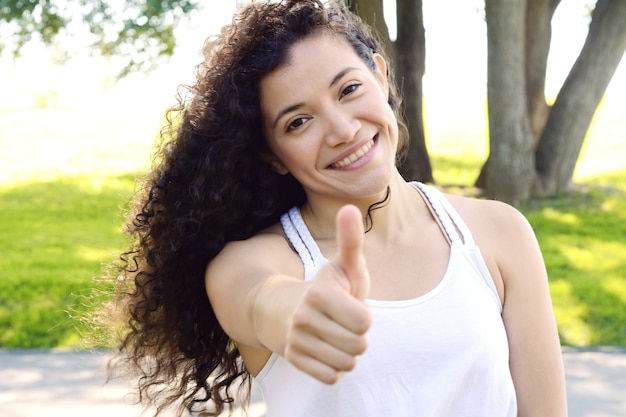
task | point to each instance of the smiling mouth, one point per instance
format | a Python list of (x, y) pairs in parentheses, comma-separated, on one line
[(362, 151)]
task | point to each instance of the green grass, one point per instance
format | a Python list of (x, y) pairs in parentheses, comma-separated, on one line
[(55, 236), (583, 238), (66, 176), (65, 180)]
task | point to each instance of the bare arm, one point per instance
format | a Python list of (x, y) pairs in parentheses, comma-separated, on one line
[(536, 363), (320, 326)]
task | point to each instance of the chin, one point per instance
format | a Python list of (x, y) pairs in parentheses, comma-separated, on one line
[(376, 186)]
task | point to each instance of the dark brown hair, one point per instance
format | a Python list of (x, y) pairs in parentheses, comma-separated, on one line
[(210, 185)]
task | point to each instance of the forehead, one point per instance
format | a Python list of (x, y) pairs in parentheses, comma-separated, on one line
[(311, 63), (321, 45)]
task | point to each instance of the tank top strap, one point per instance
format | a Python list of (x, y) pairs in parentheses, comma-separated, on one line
[(302, 241), (449, 218)]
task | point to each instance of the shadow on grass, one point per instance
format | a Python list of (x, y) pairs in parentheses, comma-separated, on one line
[(56, 236), (456, 170), (583, 239)]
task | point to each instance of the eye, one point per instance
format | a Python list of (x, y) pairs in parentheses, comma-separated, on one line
[(296, 123), (349, 90)]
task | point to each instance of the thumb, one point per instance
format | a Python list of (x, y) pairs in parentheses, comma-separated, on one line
[(350, 238)]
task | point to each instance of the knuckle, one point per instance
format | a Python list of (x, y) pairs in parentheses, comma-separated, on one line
[(357, 346), (302, 319), (349, 363), (358, 326), (331, 377), (361, 345), (289, 353), (295, 355), (315, 295), (363, 322), (295, 345), (292, 357)]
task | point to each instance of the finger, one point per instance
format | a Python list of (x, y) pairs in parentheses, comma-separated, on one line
[(308, 345), (350, 238), (334, 305), (343, 324), (310, 365)]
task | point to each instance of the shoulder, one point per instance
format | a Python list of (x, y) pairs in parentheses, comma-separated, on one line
[(269, 248), (490, 218), (244, 265), (234, 278), (505, 238)]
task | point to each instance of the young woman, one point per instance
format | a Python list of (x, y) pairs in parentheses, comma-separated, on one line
[(277, 240)]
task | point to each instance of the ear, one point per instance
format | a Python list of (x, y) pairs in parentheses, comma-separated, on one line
[(381, 72), (276, 165)]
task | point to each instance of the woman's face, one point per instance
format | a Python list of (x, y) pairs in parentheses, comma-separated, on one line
[(327, 120)]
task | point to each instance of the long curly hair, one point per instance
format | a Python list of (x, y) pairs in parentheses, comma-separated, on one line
[(211, 183)]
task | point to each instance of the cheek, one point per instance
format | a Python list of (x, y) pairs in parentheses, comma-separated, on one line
[(290, 155), (389, 118)]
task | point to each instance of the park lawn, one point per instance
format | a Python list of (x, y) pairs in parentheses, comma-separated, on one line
[(57, 231), (56, 237), (65, 180), (583, 239)]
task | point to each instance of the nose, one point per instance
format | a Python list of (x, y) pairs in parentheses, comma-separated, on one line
[(340, 127)]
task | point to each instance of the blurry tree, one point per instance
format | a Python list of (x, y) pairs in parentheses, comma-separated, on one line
[(534, 147), (408, 56), (140, 34)]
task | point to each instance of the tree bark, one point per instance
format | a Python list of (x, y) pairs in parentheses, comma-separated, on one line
[(509, 171), (573, 110), (409, 59), (371, 11), (539, 15), (410, 67)]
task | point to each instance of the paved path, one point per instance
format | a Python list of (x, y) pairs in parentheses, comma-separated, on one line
[(70, 384), (596, 382)]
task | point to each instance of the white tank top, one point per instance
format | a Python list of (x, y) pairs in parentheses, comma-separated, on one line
[(444, 353)]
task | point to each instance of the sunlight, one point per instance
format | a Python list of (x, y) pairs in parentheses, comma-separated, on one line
[(564, 218), (47, 144), (94, 254), (583, 255), (616, 286)]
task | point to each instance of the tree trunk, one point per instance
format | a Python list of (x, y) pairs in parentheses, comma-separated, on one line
[(410, 66), (371, 11), (509, 171), (573, 110), (538, 35), (408, 58)]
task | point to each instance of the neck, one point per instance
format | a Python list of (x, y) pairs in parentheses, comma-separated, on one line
[(386, 216)]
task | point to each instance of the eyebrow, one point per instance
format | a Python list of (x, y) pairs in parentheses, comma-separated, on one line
[(340, 74), (296, 106)]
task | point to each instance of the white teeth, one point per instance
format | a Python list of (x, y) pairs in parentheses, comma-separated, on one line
[(355, 156)]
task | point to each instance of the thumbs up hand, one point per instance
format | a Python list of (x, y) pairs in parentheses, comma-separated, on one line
[(328, 330), (350, 237)]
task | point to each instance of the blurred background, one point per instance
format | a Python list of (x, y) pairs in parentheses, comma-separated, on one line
[(74, 137)]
